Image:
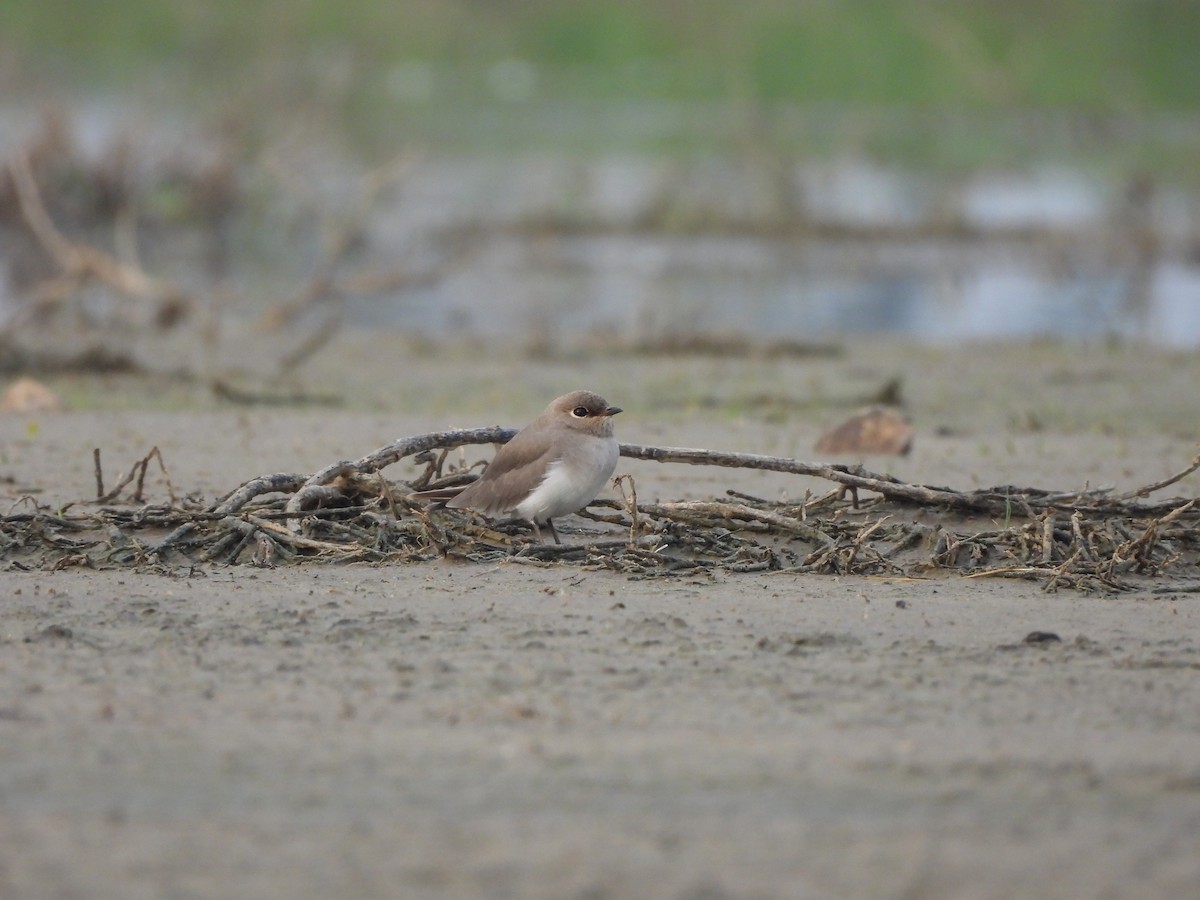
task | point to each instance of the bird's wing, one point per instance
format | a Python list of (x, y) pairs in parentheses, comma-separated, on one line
[(517, 469)]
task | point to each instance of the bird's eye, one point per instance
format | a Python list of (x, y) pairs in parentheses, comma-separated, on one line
[(580, 412)]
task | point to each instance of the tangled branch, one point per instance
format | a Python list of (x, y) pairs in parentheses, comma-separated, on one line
[(870, 524)]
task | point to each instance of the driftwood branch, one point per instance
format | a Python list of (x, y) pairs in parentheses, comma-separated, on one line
[(81, 263), (349, 511), (995, 501), (396, 451), (848, 476), (853, 477), (1008, 501)]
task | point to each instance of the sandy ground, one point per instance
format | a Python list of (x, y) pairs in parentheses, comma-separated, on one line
[(451, 730)]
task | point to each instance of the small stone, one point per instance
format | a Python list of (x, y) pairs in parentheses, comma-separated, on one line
[(1042, 637)]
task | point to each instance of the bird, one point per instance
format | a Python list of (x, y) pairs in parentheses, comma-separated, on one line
[(554, 466)]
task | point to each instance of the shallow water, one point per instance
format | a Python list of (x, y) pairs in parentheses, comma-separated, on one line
[(654, 288), (643, 249), (638, 250)]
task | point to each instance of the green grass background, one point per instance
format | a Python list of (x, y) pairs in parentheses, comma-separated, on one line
[(879, 72)]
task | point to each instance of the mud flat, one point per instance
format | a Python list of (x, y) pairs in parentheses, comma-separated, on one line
[(455, 730)]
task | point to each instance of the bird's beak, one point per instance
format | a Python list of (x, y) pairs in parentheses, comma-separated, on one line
[(613, 410)]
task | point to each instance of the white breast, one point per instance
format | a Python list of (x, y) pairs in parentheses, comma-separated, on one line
[(571, 483)]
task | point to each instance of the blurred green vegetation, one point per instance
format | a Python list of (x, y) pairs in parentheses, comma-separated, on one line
[(1096, 54), (422, 60)]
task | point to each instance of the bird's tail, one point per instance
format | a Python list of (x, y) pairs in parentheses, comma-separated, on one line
[(437, 496)]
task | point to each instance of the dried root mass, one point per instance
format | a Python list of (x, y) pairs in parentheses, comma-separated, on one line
[(869, 524)]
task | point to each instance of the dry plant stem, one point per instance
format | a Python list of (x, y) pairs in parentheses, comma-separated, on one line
[(99, 474), (1062, 572), (382, 457), (283, 535), (1159, 485), (1077, 536), (1140, 549), (733, 511), (630, 503), (139, 471), (860, 540), (385, 490), (125, 479)]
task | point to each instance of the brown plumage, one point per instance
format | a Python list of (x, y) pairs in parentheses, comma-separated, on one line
[(553, 466)]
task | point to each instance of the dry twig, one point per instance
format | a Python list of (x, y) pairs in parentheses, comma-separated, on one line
[(81, 264)]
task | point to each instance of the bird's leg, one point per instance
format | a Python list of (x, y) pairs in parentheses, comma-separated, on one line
[(553, 533), (537, 532)]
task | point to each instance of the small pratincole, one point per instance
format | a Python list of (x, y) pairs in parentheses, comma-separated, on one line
[(554, 466)]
